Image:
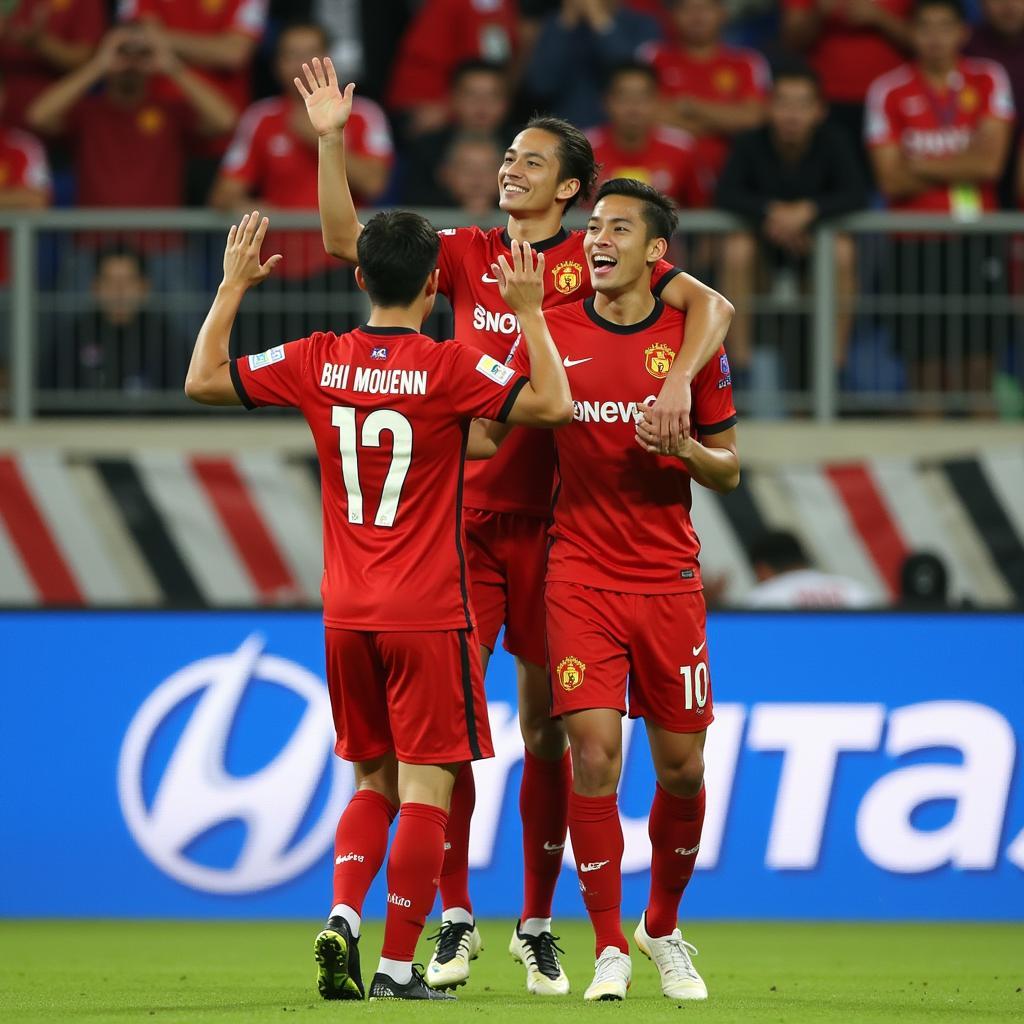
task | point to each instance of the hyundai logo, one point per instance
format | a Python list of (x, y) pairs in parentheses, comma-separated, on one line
[(194, 791)]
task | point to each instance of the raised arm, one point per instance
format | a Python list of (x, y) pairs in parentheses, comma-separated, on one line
[(708, 316), (209, 373), (329, 109)]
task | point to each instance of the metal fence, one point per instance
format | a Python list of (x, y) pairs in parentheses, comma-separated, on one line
[(887, 314)]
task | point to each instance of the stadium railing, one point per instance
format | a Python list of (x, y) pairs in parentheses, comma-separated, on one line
[(936, 319)]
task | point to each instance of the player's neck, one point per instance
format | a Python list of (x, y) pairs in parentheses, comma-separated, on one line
[(396, 316), (631, 138), (701, 51), (534, 228), (937, 76), (626, 307)]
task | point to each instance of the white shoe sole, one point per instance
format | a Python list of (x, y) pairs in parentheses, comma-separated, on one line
[(537, 984), (447, 983), (694, 995)]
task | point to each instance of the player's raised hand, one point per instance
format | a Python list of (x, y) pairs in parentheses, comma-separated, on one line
[(327, 105), (670, 414), (242, 265), (521, 282)]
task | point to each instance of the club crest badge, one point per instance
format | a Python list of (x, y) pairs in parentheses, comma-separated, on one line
[(568, 276), (570, 673), (658, 359)]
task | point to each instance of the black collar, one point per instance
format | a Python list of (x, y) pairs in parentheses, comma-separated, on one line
[(649, 321), (547, 243), (387, 330)]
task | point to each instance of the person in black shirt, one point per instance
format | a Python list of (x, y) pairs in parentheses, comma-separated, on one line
[(782, 179)]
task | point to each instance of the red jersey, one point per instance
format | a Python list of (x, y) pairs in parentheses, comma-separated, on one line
[(206, 17), (444, 34), (730, 75), (666, 160), (622, 515), (22, 165), (130, 156), (904, 110), (26, 74), (389, 410), (518, 479), (279, 165), (848, 58)]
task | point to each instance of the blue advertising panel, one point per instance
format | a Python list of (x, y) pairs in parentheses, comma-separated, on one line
[(179, 764)]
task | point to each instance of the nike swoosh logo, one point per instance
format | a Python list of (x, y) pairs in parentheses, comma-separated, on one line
[(487, 279), (697, 650), (687, 853), (593, 865), (554, 847), (567, 362)]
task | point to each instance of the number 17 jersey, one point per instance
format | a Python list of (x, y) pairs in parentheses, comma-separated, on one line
[(389, 410)]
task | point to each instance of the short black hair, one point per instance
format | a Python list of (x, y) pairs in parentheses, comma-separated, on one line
[(478, 66), (659, 212), (397, 253), (796, 71), (779, 550), (956, 6), (122, 251), (575, 153), (631, 67)]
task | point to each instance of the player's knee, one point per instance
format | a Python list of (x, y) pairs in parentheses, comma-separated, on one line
[(543, 736), (595, 767), (683, 777)]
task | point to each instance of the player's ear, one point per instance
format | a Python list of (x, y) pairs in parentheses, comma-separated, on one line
[(656, 249), (567, 189), (360, 280), (432, 282)]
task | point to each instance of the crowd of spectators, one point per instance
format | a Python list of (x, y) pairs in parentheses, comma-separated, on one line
[(783, 113)]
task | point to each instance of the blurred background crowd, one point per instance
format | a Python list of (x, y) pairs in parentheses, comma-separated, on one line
[(784, 114)]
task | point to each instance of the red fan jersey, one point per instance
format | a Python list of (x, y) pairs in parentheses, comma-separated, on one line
[(730, 75), (622, 515), (22, 165), (666, 160), (904, 110), (518, 479), (389, 410), (279, 165)]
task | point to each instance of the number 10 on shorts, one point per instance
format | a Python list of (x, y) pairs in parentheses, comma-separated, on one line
[(695, 684)]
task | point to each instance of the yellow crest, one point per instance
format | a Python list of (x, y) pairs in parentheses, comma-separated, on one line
[(568, 276), (570, 673), (969, 100), (725, 80), (150, 120), (658, 359)]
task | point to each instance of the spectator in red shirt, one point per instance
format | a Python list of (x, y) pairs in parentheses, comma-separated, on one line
[(709, 89), (1000, 37), (24, 185), (273, 159), (443, 35), (849, 43), (40, 40), (468, 173), (129, 143), (633, 145), (479, 108)]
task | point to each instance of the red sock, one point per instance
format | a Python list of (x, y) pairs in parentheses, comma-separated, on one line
[(413, 869), (674, 826), (455, 871), (360, 845), (544, 807), (597, 843)]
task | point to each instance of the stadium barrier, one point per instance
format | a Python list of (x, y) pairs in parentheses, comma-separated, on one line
[(162, 764), (934, 326)]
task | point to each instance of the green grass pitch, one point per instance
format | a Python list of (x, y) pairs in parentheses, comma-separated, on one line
[(776, 973)]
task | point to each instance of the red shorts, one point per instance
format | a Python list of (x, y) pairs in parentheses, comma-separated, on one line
[(418, 694), (507, 559), (599, 638)]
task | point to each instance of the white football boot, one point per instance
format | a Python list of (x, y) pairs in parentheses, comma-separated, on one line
[(457, 944), (539, 955), (671, 955), (613, 973)]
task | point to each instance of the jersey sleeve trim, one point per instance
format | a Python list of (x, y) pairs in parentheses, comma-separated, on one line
[(510, 401), (670, 275), (717, 428), (236, 379)]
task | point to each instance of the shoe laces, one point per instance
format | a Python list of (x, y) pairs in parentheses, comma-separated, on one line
[(542, 951), (609, 968), (450, 936), (679, 952)]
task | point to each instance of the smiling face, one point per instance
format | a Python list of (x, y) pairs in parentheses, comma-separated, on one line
[(530, 177), (619, 252)]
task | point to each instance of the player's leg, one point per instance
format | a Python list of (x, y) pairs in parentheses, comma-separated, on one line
[(438, 717), (547, 772), (587, 639), (671, 690), (356, 686)]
